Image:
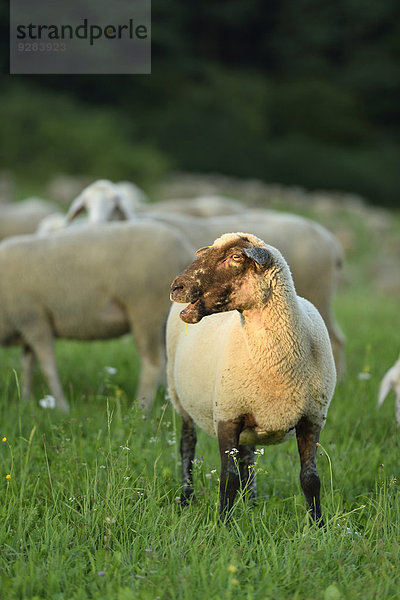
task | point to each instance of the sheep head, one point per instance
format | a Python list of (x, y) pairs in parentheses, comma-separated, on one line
[(103, 201), (229, 275)]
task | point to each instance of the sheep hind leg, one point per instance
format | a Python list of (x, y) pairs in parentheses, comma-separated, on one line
[(228, 441), (307, 438), (247, 471), (188, 446)]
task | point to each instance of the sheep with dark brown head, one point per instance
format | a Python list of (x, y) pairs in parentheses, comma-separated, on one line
[(256, 370)]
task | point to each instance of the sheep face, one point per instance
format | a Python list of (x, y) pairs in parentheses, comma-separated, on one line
[(229, 275), (102, 200)]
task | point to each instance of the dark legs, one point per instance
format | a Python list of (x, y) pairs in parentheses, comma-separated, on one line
[(188, 446), (246, 470), (307, 438), (228, 440), (237, 463)]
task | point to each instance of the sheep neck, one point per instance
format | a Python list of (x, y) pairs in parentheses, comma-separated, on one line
[(271, 329)]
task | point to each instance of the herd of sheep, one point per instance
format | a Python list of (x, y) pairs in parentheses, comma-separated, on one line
[(260, 368)]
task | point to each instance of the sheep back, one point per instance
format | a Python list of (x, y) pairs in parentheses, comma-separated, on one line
[(89, 283)]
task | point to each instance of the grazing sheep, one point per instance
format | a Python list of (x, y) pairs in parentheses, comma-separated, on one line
[(391, 381), (103, 201), (313, 253), (23, 217), (89, 283), (257, 372)]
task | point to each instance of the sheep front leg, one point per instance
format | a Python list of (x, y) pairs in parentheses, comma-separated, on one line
[(188, 446), (228, 440), (307, 438), (27, 364), (42, 344), (246, 470)]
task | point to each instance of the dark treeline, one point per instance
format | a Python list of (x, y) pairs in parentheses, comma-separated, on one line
[(297, 91)]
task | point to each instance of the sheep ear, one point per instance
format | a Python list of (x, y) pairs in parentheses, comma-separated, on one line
[(120, 208), (201, 250), (261, 256), (124, 207), (75, 209)]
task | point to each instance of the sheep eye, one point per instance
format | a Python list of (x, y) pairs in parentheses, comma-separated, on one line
[(237, 257)]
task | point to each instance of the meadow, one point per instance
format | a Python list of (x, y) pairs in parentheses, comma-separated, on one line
[(89, 505)]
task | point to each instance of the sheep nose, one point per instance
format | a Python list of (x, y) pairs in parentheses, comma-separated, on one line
[(177, 288)]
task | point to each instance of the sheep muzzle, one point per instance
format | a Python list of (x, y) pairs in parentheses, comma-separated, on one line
[(182, 293)]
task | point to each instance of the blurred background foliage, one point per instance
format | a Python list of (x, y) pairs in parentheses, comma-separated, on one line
[(293, 91)]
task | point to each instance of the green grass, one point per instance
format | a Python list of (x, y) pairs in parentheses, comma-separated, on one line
[(90, 509)]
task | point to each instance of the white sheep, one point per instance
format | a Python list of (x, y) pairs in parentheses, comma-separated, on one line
[(89, 283), (23, 217), (257, 369), (314, 254), (391, 381), (104, 201)]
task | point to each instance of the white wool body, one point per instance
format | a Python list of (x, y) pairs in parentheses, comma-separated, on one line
[(273, 361), (89, 283), (19, 218)]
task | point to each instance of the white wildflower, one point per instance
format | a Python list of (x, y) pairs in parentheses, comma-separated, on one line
[(47, 402), (232, 452), (364, 376), (111, 370)]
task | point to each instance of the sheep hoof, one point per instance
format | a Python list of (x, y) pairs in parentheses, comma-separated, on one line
[(186, 498), (318, 521)]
